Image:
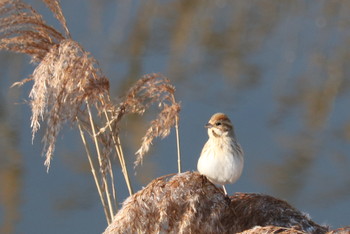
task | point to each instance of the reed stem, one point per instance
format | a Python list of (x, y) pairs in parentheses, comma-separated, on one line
[(93, 171), (178, 144), (119, 150), (113, 184), (104, 179), (177, 138)]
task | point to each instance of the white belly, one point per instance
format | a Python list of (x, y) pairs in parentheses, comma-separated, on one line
[(220, 166)]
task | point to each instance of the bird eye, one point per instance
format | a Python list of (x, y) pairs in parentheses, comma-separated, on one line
[(218, 123)]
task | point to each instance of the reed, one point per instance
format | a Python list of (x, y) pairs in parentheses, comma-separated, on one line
[(189, 203), (69, 87)]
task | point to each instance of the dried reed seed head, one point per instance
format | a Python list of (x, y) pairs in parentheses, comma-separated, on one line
[(264, 210), (343, 230), (56, 9), (150, 89), (272, 229), (23, 30), (160, 127), (159, 91), (189, 203), (185, 203), (66, 78)]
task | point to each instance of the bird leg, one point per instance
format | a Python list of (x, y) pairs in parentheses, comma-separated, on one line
[(224, 189)]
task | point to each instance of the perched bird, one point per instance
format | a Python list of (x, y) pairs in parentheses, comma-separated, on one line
[(221, 159)]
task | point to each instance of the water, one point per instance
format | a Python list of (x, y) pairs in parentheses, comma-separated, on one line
[(279, 70)]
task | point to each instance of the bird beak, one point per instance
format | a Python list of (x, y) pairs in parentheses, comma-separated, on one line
[(208, 125)]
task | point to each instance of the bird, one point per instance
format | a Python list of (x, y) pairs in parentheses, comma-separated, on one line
[(222, 157)]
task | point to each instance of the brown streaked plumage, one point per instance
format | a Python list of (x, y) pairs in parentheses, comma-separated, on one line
[(221, 159)]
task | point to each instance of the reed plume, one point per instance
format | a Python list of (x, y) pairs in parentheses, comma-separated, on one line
[(66, 75), (271, 230), (151, 89), (68, 86), (189, 203), (24, 31)]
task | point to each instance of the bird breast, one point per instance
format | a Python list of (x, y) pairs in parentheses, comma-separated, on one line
[(221, 161)]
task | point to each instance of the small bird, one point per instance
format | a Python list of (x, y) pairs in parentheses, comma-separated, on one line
[(221, 159)]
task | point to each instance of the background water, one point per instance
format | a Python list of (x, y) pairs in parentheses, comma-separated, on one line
[(279, 69)]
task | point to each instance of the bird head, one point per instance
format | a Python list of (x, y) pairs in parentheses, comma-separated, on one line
[(219, 125)]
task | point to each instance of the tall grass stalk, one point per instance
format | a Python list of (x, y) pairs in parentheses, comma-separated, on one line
[(94, 175), (104, 179), (114, 192), (177, 139), (119, 150)]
